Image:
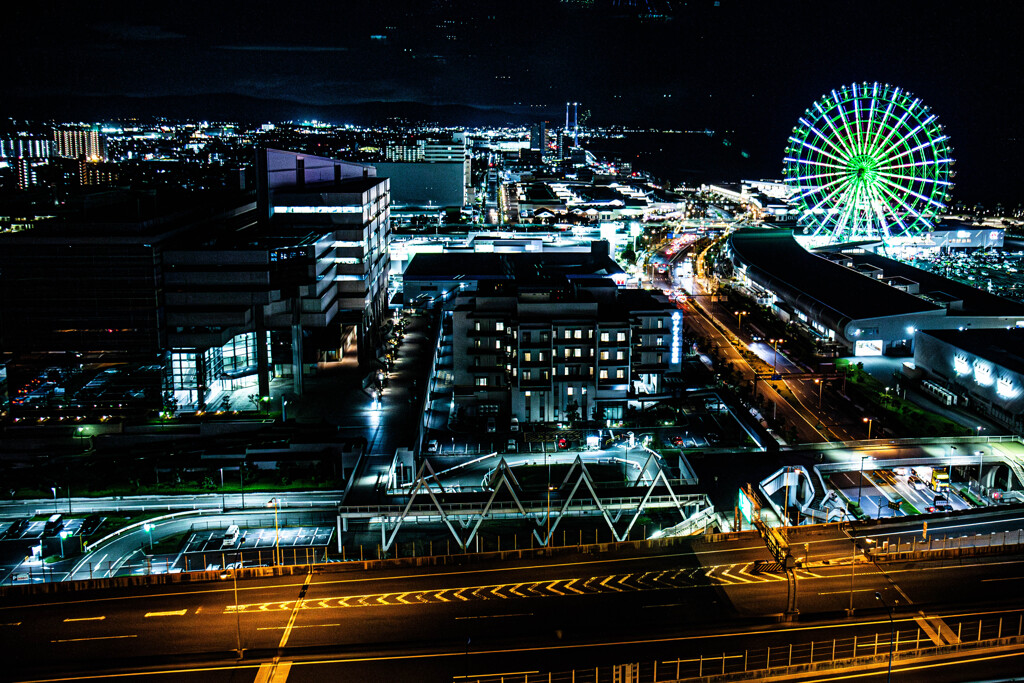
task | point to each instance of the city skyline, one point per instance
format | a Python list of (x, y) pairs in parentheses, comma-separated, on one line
[(720, 65)]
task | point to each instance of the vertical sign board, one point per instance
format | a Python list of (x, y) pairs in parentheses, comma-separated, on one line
[(746, 506)]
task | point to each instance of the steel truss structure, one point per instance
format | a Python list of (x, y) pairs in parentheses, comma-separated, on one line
[(463, 518)]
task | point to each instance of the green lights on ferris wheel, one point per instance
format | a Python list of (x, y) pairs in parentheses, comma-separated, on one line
[(868, 161)]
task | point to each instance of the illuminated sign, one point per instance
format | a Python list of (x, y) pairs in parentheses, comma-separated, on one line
[(318, 209), (677, 335), (961, 365), (746, 506), (1005, 388)]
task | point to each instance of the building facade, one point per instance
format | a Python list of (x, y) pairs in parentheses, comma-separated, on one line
[(561, 350)]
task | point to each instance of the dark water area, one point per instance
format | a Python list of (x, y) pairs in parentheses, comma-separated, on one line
[(690, 158), (988, 168)]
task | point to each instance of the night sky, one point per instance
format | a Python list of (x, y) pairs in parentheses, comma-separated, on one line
[(751, 68)]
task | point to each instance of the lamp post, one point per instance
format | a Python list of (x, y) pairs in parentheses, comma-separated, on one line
[(892, 631), (238, 622), (853, 570), (739, 318), (223, 504), (860, 481), (869, 420), (820, 385), (952, 453), (981, 456), (277, 533), (775, 355), (54, 489)]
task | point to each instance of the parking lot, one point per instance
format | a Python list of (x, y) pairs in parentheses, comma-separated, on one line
[(216, 549)]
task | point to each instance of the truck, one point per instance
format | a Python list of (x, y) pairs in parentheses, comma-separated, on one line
[(937, 478)]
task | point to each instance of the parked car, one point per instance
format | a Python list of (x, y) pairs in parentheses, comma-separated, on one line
[(432, 446), (513, 424), (17, 528)]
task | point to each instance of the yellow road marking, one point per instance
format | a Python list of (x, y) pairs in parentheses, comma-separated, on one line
[(175, 613), (503, 673), (85, 619), (75, 640), (294, 615)]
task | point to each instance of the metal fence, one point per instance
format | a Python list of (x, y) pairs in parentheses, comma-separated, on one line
[(908, 642)]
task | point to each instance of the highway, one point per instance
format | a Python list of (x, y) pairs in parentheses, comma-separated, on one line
[(687, 602)]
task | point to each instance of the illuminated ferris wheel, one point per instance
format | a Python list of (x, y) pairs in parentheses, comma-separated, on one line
[(868, 161)]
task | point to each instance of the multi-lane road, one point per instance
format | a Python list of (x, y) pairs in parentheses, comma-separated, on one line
[(686, 602)]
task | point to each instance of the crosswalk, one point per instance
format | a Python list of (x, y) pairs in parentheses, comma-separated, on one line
[(718, 575)]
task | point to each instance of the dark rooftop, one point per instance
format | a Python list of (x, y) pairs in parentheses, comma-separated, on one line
[(520, 266), (849, 294)]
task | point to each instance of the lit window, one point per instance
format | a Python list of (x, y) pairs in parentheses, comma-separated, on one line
[(620, 373), (578, 353), (604, 336), (476, 325), (527, 356), (620, 337), (604, 355), (499, 326), (603, 374), (481, 381), (578, 334), (620, 355), (568, 391)]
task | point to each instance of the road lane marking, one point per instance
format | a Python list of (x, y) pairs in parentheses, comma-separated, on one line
[(281, 672), (494, 616), (294, 614), (502, 673), (75, 640), (15, 623), (281, 628), (174, 613), (85, 619), (847, 592)]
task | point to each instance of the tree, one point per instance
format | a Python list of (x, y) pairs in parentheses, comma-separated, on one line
[(572, 411)]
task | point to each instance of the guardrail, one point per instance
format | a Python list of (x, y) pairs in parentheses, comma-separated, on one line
[(796, 659)]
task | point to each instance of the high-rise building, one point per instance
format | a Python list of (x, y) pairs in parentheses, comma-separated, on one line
[(538, 136), (77, 143)]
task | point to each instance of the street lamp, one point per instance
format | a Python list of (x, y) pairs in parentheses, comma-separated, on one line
[(277, 533), (981, 459), (775, 355), (892, 631), (853, 570), (860, 481), (54, 489), (739, 318), (820, 385), (238, 623), (869, 420), (148, 528), (63, 535)]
